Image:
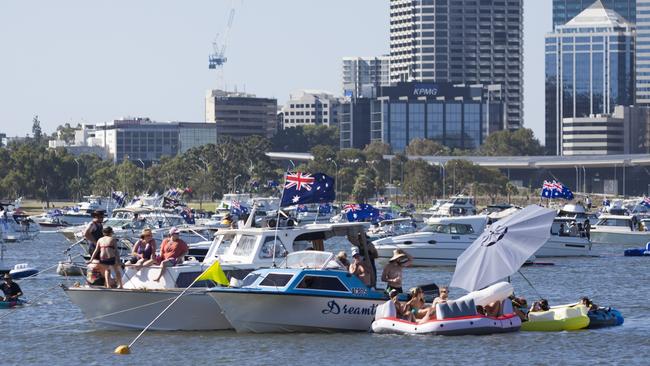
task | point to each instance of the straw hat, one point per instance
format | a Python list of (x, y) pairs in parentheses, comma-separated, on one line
[(397, 254)]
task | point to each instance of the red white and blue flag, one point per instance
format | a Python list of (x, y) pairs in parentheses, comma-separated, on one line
[(302, 188)]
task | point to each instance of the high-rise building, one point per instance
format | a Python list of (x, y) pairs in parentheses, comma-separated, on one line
[(643, 53), (238, 115), (311, 107), (460, 41), (362, 76), (457, 116), (589, 69), (565, 10)]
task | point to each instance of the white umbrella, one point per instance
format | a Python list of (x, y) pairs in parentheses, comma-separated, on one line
[(503, 248)]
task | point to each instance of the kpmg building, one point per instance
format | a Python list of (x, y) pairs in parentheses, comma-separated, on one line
[(589, 69), (457, 116), (461, 42)]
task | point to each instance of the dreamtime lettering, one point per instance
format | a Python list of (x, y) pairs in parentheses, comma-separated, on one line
[(334, 308)]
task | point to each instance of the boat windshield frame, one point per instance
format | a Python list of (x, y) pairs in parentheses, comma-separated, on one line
[(311, 259)]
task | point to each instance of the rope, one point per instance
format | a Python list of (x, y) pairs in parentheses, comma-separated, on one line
[(531, 285)]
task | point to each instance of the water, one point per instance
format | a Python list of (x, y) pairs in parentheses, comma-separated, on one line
[(53, 331)]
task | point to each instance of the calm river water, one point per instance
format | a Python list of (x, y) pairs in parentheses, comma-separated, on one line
[(53, 331)]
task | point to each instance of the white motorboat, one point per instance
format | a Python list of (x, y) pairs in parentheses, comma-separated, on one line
[(619, 229), (239, 252), (311, 214), (459, 205), (563, 244), (438, 243), (392, 227), (310, 292)]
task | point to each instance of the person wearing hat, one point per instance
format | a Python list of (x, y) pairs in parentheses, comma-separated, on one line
[(94, 231), (10, 289), (144, 251), (343, 258), (106, 251), (172, 251), (358, 268), (392, 273)]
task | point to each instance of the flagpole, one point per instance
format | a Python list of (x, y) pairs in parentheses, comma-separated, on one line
[(277, 220)]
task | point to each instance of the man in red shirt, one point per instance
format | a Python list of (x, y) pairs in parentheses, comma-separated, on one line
[(172, 251)]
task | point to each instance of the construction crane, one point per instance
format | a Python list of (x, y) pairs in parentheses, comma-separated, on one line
[(218, 57)]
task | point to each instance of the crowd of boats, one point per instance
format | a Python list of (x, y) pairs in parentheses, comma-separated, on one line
[(277, 252)]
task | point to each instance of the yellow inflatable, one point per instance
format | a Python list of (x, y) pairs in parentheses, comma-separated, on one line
[(558, 318)]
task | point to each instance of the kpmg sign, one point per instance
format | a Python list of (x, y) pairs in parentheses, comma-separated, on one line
[(425, 90)]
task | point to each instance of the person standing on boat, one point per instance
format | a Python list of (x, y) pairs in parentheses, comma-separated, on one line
[(107, 252), (392, 273), (358, 268), (172, 251), (10, 289), (94, 231)]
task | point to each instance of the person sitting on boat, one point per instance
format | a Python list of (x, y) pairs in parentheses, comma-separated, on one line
[(541, 305), (358, 268), (399, 307), (172, 251), (442, 298), (416, 307), (588, 303), (343, 258), (520, 307), (492, 309), (106, 251), (227, 220), (144, 251), (573, 229), (561, 231), (10, 289), (392, 273), (94, 231)]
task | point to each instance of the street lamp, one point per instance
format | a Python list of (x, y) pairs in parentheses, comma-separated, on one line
[(143, 170), (234, 183)]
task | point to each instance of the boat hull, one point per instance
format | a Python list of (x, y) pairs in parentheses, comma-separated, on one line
[(469, 325), (440, 254), (565, 246), (636, 238), (251, 312), (134, 309)]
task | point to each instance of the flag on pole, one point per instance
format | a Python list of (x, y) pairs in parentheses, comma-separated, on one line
[(214, 273), (301, 188)]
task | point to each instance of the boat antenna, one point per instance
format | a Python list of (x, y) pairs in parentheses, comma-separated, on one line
[(277, 220), (531, 285)]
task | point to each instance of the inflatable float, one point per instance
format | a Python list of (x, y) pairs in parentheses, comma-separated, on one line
[(458, 317), (10, 304), (638, 252), (604, 317), (558, 318)]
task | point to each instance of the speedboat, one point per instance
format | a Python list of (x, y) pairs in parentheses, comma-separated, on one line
[(81, 213), (440, 242), (310, 292), (618, 229), (239, 252), (459, 205), (562, 244)]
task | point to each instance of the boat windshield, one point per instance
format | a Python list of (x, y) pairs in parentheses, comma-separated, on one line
[(117, 223), (223, 243), (312, 259), (245, 245), (435, 228), (614, 222)]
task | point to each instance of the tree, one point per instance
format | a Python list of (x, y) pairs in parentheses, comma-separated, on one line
[(303, 138), (36, 129), (419, 179), (363, 187), (66, 132), (426, 147), (324, 156), (521, 142)]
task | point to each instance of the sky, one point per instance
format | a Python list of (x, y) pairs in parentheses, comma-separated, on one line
[(80, 61)]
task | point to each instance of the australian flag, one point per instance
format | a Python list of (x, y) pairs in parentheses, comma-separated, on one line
[(566, 193), (119, 197), (236, 208), (188, 216), (301, 188), (325, 208), (361, 212), (547, 189)]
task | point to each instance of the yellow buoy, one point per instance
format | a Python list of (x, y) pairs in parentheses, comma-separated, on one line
[(122, 350)]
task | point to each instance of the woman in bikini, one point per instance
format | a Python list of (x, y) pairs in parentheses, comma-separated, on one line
[(107, 250)]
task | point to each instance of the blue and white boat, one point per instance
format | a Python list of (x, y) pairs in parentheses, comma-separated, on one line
[(310, 292)]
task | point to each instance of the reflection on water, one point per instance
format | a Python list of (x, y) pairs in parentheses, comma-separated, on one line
[(53, 330)]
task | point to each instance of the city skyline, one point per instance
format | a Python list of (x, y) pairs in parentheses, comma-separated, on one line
[(76, 62)]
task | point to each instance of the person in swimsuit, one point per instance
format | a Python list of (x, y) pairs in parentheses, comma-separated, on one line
[(144, 251), (106, 249), (392, 273), (358, 268), (416, 306)]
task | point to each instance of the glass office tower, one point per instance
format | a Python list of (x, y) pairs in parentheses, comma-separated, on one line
[(565, 10), (589, 69), (643, 53)]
